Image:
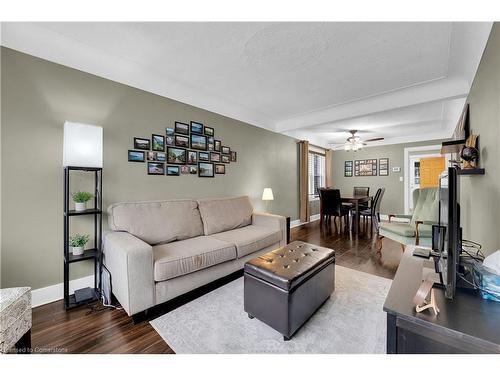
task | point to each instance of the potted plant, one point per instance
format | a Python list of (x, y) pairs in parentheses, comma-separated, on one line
[(81, 198), (77, 243)]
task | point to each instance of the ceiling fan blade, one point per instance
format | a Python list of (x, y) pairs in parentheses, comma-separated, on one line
[(374, 139)]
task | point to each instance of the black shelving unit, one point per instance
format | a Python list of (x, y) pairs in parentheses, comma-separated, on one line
[(94, 253)]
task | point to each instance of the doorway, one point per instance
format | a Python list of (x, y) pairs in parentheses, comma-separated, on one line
[(423, 165)]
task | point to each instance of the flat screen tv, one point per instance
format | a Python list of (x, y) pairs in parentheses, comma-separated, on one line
[(448, 241)]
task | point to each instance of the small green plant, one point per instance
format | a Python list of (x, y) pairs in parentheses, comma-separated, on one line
[(78, 240), (81, 196)]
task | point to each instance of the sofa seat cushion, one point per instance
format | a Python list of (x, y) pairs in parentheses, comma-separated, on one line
[(222, 214), (182, 257), (401, 229), (249, 239)]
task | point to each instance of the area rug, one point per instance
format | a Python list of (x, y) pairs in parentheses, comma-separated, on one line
[(351, 321)]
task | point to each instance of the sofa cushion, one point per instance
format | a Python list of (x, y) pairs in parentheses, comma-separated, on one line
[(182, 257), (157, 222), (249, 239), (401, 229), (222, 214)]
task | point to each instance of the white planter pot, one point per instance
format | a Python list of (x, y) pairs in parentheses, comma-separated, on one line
[(80, 206), (77, 250)]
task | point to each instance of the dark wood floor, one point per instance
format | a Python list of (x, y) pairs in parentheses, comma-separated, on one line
[(94, 329)]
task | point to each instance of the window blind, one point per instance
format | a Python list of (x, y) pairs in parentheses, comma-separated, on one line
[(316, 173)]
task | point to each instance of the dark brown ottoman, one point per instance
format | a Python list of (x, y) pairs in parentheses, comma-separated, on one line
[(284, 287)]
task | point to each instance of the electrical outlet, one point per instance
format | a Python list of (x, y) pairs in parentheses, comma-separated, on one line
[(401, 179)]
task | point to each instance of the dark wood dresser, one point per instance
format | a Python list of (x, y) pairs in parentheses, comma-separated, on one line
[(467, 324)]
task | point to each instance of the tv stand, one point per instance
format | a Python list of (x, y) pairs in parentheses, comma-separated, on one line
[(466, 324)]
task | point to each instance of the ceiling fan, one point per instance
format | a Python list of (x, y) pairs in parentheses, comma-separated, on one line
[(355, 143)]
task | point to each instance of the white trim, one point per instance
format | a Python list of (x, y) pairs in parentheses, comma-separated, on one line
[(298, 223), (55, 292), (385, 217), (314, 217), (406, 170)]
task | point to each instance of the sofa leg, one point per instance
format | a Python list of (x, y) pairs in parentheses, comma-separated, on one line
[(140, 317), (251, 316), (286, 338)]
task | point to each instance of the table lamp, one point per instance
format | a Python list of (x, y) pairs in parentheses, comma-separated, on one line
[(267, 195)]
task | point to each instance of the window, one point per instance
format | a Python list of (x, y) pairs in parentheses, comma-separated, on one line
[(316, 173)]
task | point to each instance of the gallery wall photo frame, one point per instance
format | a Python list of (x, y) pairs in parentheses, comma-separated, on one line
[(136, 156), (142, 143), (365, 167), (383, 167), (181, 128), (348, 170), (205, 169), (157, 142), (196, 127)]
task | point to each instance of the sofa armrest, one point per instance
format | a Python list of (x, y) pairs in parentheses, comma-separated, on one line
[(271, 221), (130, 262)]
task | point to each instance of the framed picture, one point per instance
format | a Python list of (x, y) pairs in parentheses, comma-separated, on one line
[(173, 170), (210, 146), (215, 157), (193, 169), (181, 128), (203, 156), (198, 142), (169, 140), (225, 159), (176, 155), (383, 167), (181, 140), (184, 169), (209, 131), (160, 156), (205, 170), (348, 168), (192, 157), (156, 168), (158, 142), (217, 145), (233, 156), (196, 127), (226, 150), (220, 169), (136, 156), (151, 156), (169, 132), (142, 143), (366, 167)]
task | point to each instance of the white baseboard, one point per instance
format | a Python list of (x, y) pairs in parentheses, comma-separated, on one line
[(298, 223), (55, 292)]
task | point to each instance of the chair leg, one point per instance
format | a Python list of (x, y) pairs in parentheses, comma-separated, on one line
[(379, 243), (403, 247)]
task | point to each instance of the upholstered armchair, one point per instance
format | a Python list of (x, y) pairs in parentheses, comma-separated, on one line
[(417, 230)]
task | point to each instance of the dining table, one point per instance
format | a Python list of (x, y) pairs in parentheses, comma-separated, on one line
[(356, 201)]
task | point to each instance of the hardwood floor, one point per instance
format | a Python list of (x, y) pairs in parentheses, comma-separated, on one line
[(94, 329)]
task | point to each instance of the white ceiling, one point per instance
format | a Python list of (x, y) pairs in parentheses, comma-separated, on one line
[(402, 81)]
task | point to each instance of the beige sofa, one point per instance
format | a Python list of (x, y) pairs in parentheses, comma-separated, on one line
[(159, 250)]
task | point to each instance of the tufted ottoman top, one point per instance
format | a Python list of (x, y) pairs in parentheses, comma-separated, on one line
[(290, 265)]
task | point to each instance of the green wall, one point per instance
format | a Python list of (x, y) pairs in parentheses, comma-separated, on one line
[(39, 96), (393, 200), (480, 195)]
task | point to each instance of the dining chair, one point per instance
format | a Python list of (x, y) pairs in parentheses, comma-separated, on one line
[(374, 211), (331, 204), (364, 191)]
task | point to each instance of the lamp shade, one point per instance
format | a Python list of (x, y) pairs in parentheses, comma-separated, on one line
[(82, 145), (267, 194)]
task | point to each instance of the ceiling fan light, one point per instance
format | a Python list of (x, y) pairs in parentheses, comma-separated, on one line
[(347, 146)]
